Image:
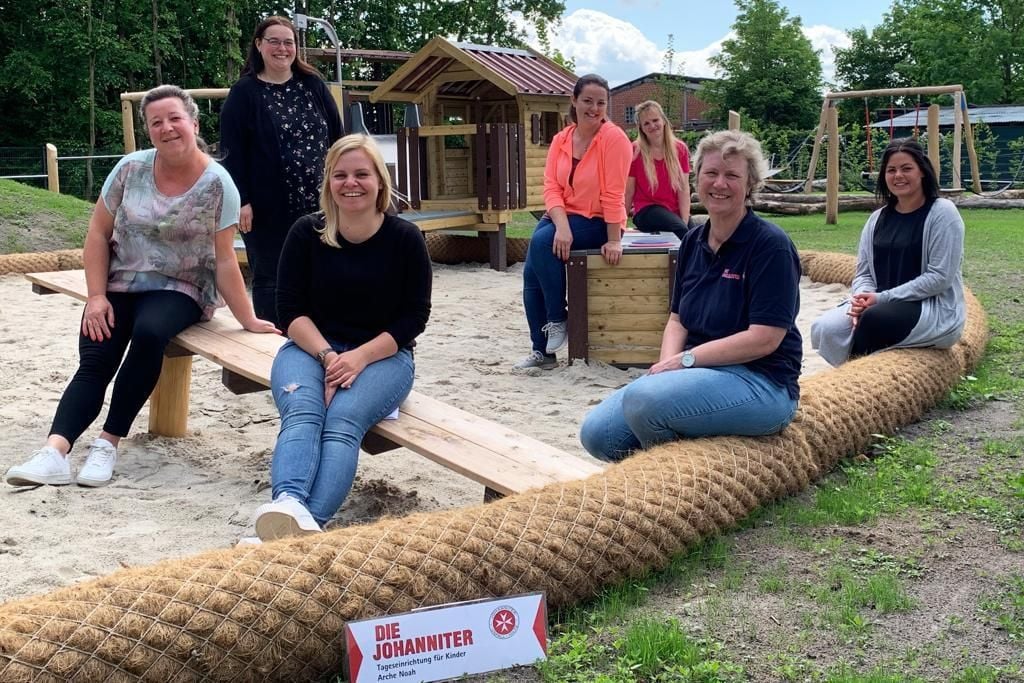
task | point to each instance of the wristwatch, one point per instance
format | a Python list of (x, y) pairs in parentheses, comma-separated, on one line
[(687, 360), (322, 354)]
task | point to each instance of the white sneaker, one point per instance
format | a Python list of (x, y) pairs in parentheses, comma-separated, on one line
[(46, 466), (284, 517), (557, 334), (99, 464), (536, 359)]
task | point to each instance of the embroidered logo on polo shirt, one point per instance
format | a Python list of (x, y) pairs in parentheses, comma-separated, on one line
[(727, 274)]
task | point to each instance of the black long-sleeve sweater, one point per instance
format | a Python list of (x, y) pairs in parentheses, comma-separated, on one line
[(356, 292)]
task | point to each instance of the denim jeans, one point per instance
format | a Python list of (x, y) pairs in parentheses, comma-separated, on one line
[(317, 447), (544, 273), (694, 402)]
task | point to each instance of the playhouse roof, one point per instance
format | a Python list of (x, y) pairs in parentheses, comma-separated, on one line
[(515, 71), (991, 114)]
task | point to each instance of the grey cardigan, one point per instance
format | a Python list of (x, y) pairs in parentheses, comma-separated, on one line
[(939, 288)]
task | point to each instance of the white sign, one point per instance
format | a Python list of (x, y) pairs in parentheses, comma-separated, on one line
[(448, 641)]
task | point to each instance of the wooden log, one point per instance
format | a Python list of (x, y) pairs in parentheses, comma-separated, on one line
[(972, 155), (734, 120), (957, 138), (974, 202), (832, 175), (128, 125), (816, 149), (168, 404), (52, 176), (933, 136), (894, 92)]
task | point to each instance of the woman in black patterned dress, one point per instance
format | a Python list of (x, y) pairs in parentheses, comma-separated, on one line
[(276, 126)]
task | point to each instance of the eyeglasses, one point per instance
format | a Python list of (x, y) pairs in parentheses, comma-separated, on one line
[(277, 42)]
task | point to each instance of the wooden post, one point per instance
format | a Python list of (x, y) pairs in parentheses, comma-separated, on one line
[(822, 119), (128, 125), (933, 136), (52, 177), (957, 137), (972, 154), (339, 101), (734, 120), (832, 166), (576, 289), (168, 404)]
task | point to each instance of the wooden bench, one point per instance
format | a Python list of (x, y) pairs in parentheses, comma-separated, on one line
[(617, 313), (501, 459)]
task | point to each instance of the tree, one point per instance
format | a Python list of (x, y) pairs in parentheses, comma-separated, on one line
[(769, 69), (977, 43)]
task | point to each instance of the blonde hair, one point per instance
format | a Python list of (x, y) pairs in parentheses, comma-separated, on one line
[(668, 142), (351, 143), (728, 143)]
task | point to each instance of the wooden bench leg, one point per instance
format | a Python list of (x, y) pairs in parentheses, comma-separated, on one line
[(498, 247), (168, 404), (576, 289)]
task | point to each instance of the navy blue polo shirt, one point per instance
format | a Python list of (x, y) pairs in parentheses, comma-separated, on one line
[(754, 279)]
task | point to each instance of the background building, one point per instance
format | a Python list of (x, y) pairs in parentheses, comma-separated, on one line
[(678, 95)]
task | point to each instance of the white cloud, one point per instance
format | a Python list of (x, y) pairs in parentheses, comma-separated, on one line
[(620, 52), (824, 38), (602, 44)]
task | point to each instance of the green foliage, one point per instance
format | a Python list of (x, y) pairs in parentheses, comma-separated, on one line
[(936, 42), (1005, 610), (770, 71), (51, 50)]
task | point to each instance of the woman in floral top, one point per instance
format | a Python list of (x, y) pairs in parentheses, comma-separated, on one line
[(275, 128), (158, 256)]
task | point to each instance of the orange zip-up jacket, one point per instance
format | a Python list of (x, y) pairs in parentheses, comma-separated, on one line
[(599, 184)]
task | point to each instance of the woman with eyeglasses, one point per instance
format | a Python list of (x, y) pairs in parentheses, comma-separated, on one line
[(276, 126)]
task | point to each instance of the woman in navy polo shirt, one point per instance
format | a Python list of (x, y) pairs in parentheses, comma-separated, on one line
[(731, 351)]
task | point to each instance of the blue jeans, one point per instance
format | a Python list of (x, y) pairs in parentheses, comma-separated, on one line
[(317, 448), (544, 273), (727, 400)]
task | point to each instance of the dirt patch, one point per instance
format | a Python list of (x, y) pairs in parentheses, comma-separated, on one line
[(771, 605), (37, 232), (372, 499)]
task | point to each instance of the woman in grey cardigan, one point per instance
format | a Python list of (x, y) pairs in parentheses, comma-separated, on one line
[(908, 288)]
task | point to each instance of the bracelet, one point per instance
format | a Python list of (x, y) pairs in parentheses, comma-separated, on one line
[(322, 354)]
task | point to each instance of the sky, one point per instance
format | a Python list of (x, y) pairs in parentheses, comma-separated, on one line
[(625, 39)]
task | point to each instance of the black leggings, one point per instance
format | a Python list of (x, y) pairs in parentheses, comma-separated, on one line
[(146, 319), (884, 325), (263, 250), (656, 218)]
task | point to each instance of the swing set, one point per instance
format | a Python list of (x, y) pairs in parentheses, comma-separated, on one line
[(829, 122)]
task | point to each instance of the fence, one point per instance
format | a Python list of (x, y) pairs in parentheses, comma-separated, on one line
[(43, 167)]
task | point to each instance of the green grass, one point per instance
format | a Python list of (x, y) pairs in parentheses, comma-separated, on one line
[(24, 208), (1006, 609)]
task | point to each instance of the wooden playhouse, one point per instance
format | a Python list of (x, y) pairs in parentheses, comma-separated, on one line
[(488, 116)]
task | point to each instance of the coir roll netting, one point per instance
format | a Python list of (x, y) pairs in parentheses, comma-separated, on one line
[(276, 611)]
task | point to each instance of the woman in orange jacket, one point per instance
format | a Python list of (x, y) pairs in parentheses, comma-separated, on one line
[(584, 190)]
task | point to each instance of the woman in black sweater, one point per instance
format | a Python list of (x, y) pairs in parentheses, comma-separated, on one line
[(275, 127), (353, 294)]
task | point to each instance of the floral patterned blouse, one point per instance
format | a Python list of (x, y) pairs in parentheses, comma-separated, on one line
[(303, 139), (166, 243)]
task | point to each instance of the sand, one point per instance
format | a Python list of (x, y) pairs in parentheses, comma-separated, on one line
[(176, 497)]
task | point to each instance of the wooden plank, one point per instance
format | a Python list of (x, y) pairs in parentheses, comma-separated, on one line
[(495, 437), (650, 303), (521, 156), (415, 177), (625, 272), (482, 149), (628, 262), (435, 131), (514, 160), (627, 321), (402, 163), (499, 167), (578, 299), (650, 339), (625, 357), (484, 451), (626, 287), (497, 248)]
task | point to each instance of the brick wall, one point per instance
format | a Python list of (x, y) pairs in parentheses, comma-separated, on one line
[(695, 107)]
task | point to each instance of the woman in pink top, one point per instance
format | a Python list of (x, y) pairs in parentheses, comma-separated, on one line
[(584, 193), (658, 187)]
